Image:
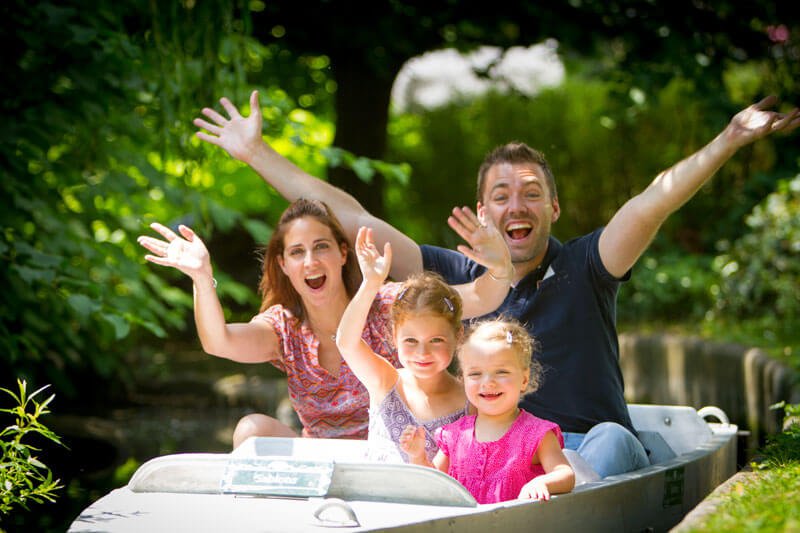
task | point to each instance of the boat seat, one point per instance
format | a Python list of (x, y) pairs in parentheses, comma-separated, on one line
[(658, 451), (584, 473), (680, 427)]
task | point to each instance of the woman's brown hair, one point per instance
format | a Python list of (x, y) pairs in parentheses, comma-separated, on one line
[(275, 287)]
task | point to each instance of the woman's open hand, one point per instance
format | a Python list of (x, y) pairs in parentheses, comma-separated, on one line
[(187, 252)]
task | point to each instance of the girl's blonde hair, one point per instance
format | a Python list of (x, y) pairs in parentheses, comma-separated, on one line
[(508, 333), (427, 293)]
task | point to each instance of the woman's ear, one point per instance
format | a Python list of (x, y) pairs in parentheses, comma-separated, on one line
[(343, 249), (281, 263)]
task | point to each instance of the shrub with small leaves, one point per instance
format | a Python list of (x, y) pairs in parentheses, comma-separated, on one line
[(24, 478), (782, 449), (760, 270)]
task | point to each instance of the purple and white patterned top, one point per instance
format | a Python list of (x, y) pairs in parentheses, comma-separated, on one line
[(387, 422)]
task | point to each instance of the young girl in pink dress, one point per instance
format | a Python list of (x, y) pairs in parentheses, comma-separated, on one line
[(502, 452)]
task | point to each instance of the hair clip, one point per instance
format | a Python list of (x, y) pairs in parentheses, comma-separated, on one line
[(402, 293), (449, 304), (509, 337)]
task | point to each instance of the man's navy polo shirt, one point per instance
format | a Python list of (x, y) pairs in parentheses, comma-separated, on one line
[(569, 306)]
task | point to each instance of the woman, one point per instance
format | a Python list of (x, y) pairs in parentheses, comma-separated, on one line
[(309, 276)]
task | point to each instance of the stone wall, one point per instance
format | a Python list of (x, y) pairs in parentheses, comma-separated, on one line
[(742, 381)]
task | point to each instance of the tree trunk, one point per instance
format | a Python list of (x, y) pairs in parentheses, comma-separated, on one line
[(362, 113)]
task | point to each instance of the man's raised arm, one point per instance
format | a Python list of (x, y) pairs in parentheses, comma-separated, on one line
[(241, 138), (633, 227)]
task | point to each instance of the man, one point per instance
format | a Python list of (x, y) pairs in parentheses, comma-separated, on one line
[(565, 294)]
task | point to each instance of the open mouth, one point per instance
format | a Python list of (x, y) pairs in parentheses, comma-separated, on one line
[(518, 230), (315, 282), (490, 395)]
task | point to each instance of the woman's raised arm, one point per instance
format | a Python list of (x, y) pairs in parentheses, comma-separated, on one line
[(252, 342)]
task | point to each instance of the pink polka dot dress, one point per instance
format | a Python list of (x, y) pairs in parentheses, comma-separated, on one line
[(495, 471)]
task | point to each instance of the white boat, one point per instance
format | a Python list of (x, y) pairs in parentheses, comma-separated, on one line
[(289, 485)]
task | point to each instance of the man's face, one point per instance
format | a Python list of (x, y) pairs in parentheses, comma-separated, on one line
[(517, 199)]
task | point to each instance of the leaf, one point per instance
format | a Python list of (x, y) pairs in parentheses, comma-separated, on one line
[(37, 463), (400, 173), (260, 231), (82, 304), (363, 169), (120, 325), (223, 217), (31, 275), (332, 155)]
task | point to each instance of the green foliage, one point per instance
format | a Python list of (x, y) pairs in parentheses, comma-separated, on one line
[(782, 449), (24, 479), (667, 288), (765, 500), (759, 270), (602, 148), (99, 143)]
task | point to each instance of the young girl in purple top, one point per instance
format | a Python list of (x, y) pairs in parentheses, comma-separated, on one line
[(426, 321), (502, 452)]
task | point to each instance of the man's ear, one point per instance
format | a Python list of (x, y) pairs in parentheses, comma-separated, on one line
[(556, 210)]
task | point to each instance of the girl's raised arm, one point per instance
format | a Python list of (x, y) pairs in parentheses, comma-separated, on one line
[(252, 342), (558, 477), (376, 373)]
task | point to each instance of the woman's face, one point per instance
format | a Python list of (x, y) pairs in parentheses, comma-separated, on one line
[(312, 260)]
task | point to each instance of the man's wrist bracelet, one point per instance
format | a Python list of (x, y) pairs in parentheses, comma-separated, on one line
[(498, 278)]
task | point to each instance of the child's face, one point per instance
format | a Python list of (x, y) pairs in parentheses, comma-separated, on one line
[(425, 344), (493, 377)]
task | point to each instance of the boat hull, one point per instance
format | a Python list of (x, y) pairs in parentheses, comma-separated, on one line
[(184, 493)]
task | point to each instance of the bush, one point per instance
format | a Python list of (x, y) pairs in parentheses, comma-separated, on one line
[(24, 478), (759, 272), (671, 287)]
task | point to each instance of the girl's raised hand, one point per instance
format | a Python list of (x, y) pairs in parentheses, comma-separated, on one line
[(187, 253), (412, 442), (374, 266), (486, 244), (237, 135)]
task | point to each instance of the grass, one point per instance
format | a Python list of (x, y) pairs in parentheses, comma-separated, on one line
[(766, 500)]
